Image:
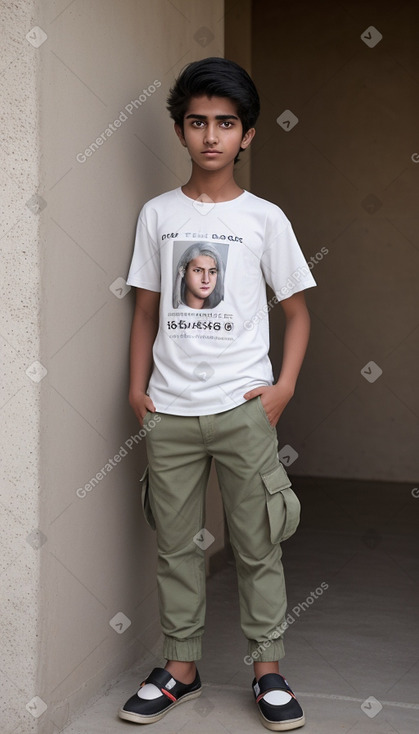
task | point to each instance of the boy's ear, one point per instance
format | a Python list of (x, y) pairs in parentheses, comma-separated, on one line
[(248, 137), (179, 133)]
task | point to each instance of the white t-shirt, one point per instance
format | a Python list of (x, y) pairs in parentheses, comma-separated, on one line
[(211, 262)]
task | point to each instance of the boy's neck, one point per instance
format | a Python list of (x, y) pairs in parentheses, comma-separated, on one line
[(216, 186)]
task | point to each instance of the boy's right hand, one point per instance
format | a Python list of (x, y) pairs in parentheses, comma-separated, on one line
[(141, 403)]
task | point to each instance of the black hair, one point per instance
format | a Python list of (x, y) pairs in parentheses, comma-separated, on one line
[(215, 77)]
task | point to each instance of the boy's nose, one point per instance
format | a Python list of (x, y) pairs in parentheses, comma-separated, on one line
[(210, 135)]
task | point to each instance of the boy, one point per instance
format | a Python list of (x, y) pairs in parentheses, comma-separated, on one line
[(212, 385)]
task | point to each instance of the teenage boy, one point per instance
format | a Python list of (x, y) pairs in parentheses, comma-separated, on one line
[(212, 386)]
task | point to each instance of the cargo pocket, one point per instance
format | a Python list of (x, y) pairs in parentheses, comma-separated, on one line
[(145, 499), (282, 504)]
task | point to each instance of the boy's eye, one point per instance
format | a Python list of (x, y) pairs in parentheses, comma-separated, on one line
[(226, 124)]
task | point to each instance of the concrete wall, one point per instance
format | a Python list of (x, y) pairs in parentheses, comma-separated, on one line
[(20, 348), (347, 175), (78, 533)]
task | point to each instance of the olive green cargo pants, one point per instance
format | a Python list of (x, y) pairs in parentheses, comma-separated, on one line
[(260, 507)]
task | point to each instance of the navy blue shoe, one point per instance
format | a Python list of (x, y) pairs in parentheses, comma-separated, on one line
[(151, 709), (278, 712)]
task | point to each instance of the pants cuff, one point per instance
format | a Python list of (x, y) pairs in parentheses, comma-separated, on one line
[(268, 651), (184, 650)]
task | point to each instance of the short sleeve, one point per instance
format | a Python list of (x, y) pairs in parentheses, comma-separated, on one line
[(144, 270), (283, 264)]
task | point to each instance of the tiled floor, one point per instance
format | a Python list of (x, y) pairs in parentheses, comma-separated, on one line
[(357, 640)]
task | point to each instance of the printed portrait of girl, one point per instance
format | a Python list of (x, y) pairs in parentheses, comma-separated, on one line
[(199, 279)]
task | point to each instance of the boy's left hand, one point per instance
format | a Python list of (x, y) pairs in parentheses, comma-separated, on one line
[(274, 399)]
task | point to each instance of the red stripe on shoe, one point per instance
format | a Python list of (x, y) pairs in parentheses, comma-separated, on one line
[(169, 695)]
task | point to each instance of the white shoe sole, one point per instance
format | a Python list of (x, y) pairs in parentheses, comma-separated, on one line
[(141, 719), (282, 725)]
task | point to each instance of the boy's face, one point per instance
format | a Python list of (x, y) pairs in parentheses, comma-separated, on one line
[(212, 132)]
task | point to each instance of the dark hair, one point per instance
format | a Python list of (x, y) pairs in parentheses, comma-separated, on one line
[(215, 77)]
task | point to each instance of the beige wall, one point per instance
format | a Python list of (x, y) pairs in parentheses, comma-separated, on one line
[(94, 557), (345, 177)]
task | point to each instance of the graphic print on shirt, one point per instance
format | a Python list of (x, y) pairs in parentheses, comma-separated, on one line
[(199, 274), (199, 270)]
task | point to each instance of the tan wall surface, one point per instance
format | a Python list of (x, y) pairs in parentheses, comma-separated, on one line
[(238, 47), (95, 552), (345, 176)]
